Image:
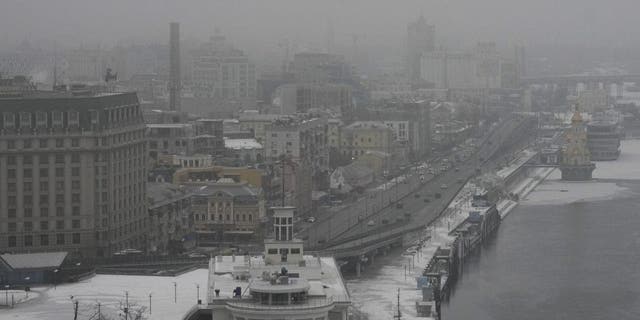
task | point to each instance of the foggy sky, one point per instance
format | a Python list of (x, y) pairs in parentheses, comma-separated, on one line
[(263, 23)]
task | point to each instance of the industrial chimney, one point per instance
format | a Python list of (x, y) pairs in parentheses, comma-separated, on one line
[(174, 68)]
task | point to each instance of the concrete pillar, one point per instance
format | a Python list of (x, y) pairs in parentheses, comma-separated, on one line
[(358, 266)]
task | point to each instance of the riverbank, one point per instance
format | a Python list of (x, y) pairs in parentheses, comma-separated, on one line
[(569, 251), (377, 298)]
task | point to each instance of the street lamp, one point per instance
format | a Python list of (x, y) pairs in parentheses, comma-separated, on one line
[(26, 292), (55, 272), (198, 293)]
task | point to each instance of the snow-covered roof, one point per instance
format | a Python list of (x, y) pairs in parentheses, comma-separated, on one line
[(239, 144), (168, 125), (34, 260), (321, 273)]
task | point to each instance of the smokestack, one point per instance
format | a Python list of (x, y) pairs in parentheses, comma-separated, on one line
[(174, 68)]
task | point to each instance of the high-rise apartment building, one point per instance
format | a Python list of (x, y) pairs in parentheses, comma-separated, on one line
[(420, 40), (223, 73), (72, 173)]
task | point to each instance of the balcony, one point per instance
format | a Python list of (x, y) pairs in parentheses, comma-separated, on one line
[(239, 304)]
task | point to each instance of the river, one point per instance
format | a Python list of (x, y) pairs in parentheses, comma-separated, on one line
[(570, 250)]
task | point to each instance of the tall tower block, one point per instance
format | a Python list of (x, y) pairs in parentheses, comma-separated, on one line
[(174, 67)]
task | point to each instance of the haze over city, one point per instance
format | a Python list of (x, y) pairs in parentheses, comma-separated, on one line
[(256, 24), (319, 159)]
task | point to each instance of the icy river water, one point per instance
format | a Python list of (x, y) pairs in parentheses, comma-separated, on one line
[(568, 251)]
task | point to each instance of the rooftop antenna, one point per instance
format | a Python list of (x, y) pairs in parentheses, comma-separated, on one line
[(55, 64)]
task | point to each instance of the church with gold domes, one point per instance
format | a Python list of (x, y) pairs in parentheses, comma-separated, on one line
[(576, 162)]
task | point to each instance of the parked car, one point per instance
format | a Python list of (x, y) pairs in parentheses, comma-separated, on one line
[(443, 186), (311, 219), (371, 223)]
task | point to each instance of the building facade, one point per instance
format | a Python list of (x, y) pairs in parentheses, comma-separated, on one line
[(73, 172), (576, 162), (302, 144), (227, 211), (362, 136), (223, 73), (420, 40), (282, 283), (297, 98), (171, 219)]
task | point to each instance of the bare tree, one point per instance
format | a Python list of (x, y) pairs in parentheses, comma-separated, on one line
[(123, 312)]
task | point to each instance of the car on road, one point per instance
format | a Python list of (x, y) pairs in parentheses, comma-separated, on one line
[(196, 255), (371, 223), (443, 186), (399, 205), (311, 219)]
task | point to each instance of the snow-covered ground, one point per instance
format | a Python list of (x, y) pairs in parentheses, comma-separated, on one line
[(109, 291), (377, 298)]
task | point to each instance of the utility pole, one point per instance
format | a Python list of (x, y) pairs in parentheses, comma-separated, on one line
[(99, 314), (175, 292), (75, 310), (126, 308), (399, 315), (149, 303), (198, 293)]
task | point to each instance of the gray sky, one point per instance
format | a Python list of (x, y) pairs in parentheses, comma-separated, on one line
[(265, 22)]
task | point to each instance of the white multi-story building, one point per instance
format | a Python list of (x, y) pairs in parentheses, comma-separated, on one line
[(223, 73), (477, 69), (281, 284)]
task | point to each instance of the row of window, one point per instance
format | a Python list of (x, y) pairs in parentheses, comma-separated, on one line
[(42, 159), (42, 143), (27, 212), (27, 186), (244, 217), (42, 119), (43, 173), (28, 144), (43, 200), (44, 225), (28, 240), (284, 251)]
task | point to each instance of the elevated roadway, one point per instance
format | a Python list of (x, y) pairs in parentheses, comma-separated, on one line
[(353, 231)]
